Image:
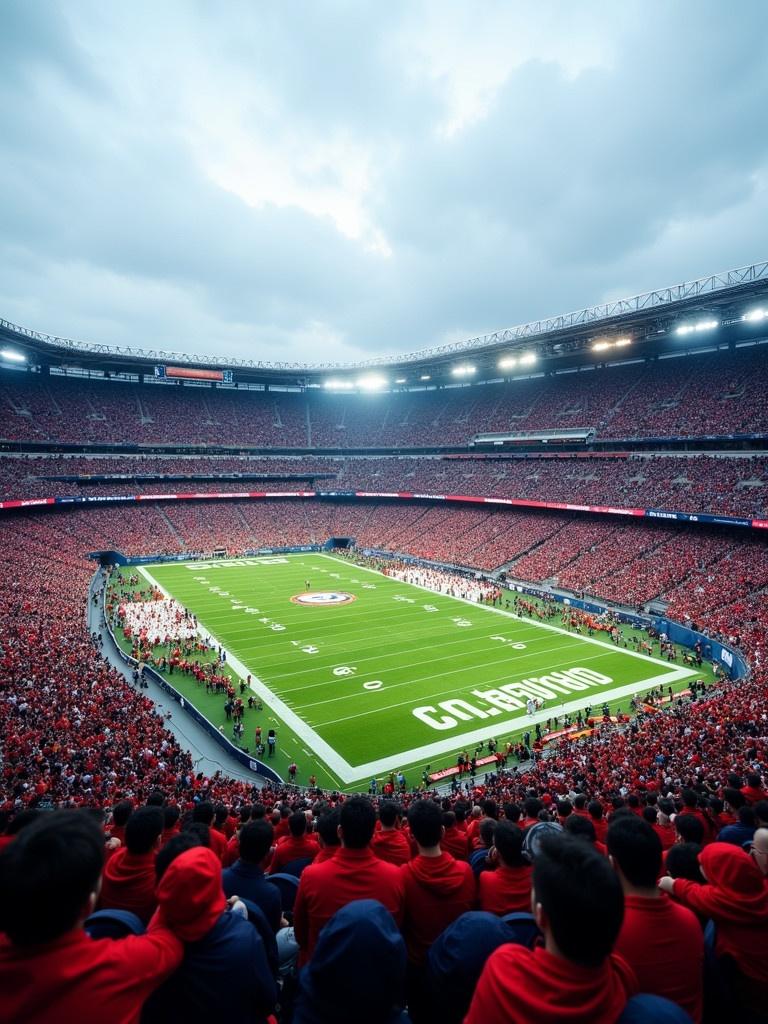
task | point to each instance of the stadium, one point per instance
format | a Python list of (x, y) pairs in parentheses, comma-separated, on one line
[(412, 683)]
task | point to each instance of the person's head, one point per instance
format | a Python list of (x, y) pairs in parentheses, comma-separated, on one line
[(759, 849), (144, 828), (220, 814), (328, 827), (49, 877), (297, 824), (487, 831), (761, 813), (425, 820), (595, 810), (683, 862), (356, 823), (690, 799), (564, 809), (171, 850), (734, 798), (754, 780), (171, 815), (666, 808), (580, 801), (203, 812), (508, 840), (635, 850), (21, 821), (255, 841), (650, 814), (532, 806), (200, 830), (121, 812), (572, 884), (578, 825), (389, 814), (513, 813), (689, 829), (156, 798), (490, 808)]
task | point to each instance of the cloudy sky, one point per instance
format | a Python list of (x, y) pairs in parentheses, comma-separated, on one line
[(335, 179)]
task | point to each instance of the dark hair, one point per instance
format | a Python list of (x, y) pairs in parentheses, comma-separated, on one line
[(327, 827), (297, 824), (683, 862), (512, 812), (156, 798), (121, 812), (175, 846), (357, 821), (581, 897), (564, 808), (734, 798), (256, 838), (171, 814), (425, 820), (508, 840), (490, 808), (595, 809), (47, 874), (651, 815), (258, 811), (244, 813), (22, 820), (221, 813), (532, 806), (487, 831), (754, 780), (636, 849), (747, 816), (580, 801), (389, 812), (761, 810), (689, 828), (144, 828), (581, 827), (203, 812), (201, 830)]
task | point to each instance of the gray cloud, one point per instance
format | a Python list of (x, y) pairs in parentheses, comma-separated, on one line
[(336, 179)]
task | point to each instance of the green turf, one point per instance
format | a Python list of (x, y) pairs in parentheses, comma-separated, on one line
[(422, 648)]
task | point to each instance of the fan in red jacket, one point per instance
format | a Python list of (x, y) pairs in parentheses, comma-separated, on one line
[(50, 970), (390, 843), (736, 899), (204, 812), (353, 873), (129, 874), (508, 888), (661, 941), (578, 905), (454, 837), (296, 846), (438, 888)]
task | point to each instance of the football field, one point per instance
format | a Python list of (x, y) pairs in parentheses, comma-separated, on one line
[(362, 674)]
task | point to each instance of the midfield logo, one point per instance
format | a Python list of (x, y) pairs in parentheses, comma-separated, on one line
[(324, 597)]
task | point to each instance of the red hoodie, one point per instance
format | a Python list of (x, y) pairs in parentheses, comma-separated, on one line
[(736, 898), (392, 846), (290, 849), (664, 945), (520, 986), (454, 841), (437, 891), (505, 890), (190, 895), (128, 883)]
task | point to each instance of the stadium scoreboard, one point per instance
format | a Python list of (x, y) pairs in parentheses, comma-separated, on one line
[(193, 373)]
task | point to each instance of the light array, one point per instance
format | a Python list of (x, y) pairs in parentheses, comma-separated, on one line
[(755, 315), (604, 344), (11, 356), (463, 370), (702, 325), (510, 362)]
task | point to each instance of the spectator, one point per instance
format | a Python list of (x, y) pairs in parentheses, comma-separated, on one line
[(328, 835), (659, 939), (297, 845), (204, 814), (508, 887), (354, 872), (735, 898), (759, 849), (572, 885), (129, 874), (389, 842), (49, 968), (225, 970), (359, 961), (246, 876), (742, 831)]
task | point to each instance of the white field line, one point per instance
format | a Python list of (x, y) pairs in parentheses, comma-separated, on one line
[(352, 773)]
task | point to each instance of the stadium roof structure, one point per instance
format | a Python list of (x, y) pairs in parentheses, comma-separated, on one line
[(720, 309)]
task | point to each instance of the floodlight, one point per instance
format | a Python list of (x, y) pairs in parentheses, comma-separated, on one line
[(339, 385), (400, 380), (372, 382), (12, 356), (463, 370), (425, 376), (706, 325), (507, 362), (622, 342), (755, 315), (527, 358)]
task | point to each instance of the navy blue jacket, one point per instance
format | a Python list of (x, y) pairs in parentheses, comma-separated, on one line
[(247, 880)]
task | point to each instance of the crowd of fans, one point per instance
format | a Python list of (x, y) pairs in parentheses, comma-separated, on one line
[(724, 393), (673, 797), (732, 485)]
